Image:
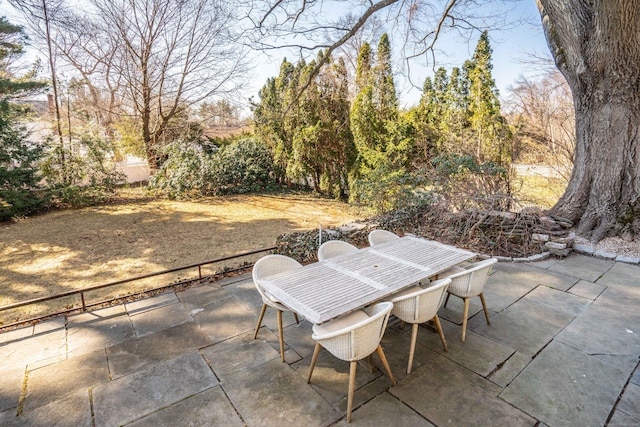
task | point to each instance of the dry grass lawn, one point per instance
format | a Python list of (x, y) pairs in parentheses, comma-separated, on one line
[(74, 249)]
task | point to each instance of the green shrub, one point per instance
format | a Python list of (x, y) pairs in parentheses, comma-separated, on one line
[(83, 176), (241, 167), (384, 190), (467, 184)]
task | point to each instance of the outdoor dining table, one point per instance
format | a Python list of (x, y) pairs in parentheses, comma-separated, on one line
[(327, 289)]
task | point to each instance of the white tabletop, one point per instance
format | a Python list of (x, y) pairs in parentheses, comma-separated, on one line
[(338, 285)]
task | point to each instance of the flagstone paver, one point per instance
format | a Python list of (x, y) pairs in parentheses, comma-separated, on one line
[(209, 408), (562, 349), (526, 326), (579, 390), (135, 355), (53, 382), (134, 396)]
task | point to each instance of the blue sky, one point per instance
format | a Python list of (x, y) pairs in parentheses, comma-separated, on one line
[(511, 46)]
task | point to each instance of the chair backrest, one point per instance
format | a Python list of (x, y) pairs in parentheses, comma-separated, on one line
[(470, 282), (357, 341), (269, 265), (333, 248), (377, 237), (421, 305)]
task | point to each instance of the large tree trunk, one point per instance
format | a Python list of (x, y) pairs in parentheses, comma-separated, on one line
[(596, 46)]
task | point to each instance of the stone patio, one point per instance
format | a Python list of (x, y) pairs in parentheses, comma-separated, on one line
[(562, 349)]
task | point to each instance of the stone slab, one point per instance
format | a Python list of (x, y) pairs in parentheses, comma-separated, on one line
[(208, 408), (504, 289), (562, 301), (395, 344), (510, 369), (478, 353), (635, 378), (56, 381), (245, 292), (630, 402), (385, 410), (15, 334), (618, 278), (138, 353), (331, 378), (11, 381), (445, 394), (157, 319), (98, 329), (606, 327), (587, 289), (620, 419), (22, 350), (224, 357), (198, 297), (274, 394), (566, 387), (134, 396), (526, 326), (73, 410), (582, 266), (532, 275), (226, 318), (622, 269), (147, 304)]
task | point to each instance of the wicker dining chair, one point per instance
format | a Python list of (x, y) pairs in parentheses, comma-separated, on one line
[(354, 337), (333, 248), (268, 266), (469, 283), (418, 305), (377, 237)]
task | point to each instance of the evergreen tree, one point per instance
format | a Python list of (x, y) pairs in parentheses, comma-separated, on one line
[(386, 99), (19, 175), (491, 133), (363, 68)]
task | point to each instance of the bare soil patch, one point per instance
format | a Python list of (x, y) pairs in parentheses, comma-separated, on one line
[(75, 249)]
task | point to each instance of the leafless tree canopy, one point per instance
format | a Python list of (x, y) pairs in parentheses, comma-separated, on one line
[(322, 24)]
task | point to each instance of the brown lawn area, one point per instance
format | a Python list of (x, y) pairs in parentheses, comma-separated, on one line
[(75, 249)]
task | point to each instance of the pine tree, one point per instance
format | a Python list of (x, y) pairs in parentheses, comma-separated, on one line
[(19, 174)]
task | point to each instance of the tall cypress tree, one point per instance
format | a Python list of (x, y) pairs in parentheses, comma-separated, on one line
[(491, 134), (386, 98)]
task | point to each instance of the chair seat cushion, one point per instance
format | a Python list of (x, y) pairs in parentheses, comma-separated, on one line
[(340, 323), (407, 291), (450, 271)]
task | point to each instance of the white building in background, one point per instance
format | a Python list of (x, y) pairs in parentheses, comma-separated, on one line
[(134, 168)]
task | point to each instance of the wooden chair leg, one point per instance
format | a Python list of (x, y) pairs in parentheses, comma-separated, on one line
[(352, 386), (372, 365), (447, 299), (436, 319), (296, 316), (280, 334), (264, 309), (412, 346), (484, 307), (385, 364), (314, 359), (464, 319)]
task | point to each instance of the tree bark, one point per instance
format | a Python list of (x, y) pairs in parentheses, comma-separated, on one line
[(596, 46)]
